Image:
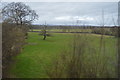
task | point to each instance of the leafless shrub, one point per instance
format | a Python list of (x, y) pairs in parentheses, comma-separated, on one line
[(13, 39), (105, 31), (44, 31)]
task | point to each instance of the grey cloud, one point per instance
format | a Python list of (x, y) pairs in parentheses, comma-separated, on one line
[(48, 11)]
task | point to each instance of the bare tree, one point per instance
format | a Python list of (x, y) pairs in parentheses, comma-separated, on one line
[(44, 31), (18, 13)]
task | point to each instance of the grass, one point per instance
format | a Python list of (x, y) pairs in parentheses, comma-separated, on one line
[(39, 54)]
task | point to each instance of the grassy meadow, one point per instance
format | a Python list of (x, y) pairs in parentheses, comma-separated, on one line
[(38, 55), (66, 30)]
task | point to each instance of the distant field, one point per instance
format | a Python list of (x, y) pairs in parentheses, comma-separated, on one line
[(38, 54), (66, 30)]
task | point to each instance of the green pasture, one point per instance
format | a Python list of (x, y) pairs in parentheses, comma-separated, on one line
[(66, 30), (38, 54)]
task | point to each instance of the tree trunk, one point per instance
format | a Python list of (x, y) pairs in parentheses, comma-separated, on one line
[(44, 37)]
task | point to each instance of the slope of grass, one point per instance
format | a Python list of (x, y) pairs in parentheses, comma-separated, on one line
[(38, 54)]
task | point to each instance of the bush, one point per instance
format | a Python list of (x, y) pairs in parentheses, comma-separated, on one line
[(105, 31), (114, 31), (13, 39)]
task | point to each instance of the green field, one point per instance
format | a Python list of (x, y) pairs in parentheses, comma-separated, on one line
[(39, 54), (66, 30)]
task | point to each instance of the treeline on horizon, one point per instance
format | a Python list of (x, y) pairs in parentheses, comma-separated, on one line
[(69, 26)]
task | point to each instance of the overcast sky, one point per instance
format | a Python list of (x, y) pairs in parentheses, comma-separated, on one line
[(73, 13), (59, 0), (87, 13)]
